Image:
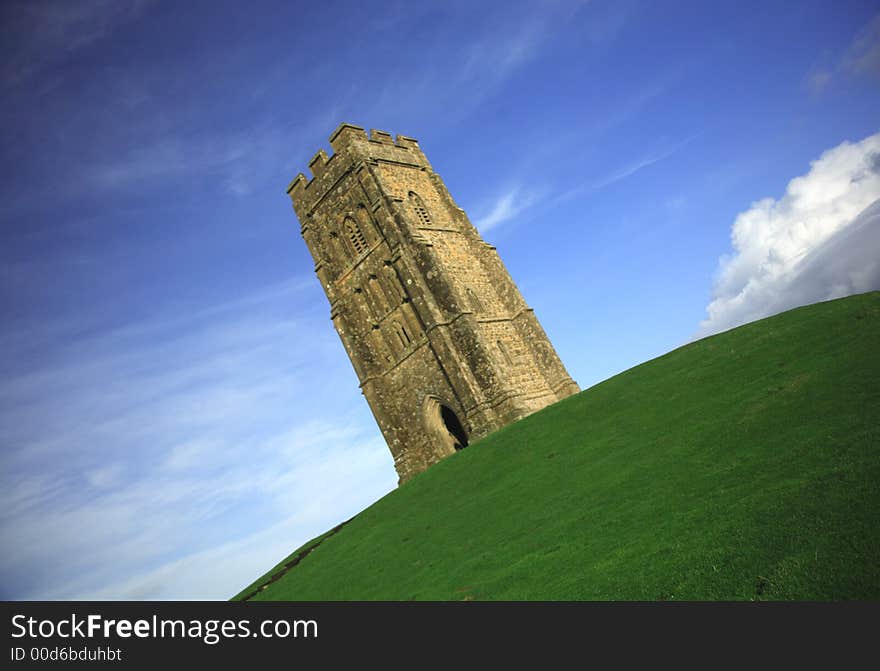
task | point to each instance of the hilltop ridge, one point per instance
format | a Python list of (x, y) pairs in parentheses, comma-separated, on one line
[(741, 466)]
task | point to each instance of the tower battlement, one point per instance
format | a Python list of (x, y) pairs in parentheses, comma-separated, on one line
[(444, 345), (348, 138)]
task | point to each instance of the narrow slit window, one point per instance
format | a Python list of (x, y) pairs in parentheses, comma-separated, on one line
[(402, 337)]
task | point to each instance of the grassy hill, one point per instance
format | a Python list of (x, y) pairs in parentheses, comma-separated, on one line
[(742, 466)]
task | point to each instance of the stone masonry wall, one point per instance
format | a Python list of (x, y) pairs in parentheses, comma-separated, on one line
[(444, 346)]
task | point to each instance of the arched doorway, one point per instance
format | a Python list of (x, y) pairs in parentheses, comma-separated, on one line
[(454, 427), (444, 424)]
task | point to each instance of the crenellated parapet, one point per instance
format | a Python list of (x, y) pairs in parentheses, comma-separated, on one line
[(351, 145)]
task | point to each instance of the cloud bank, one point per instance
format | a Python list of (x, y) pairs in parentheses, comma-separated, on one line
[(820, 241)]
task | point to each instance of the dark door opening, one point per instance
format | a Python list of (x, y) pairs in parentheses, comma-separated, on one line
[(454, 427)]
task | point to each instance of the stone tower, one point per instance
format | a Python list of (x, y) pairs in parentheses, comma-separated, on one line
[(444, 345)]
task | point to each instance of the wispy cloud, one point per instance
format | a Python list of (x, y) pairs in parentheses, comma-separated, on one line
[(158, 127), (863, 55), (629, 170), (505, 208), (48, 32), (238, 159), (181, 438), (860, 59), (817, 81), (624, 172), (456, 76)]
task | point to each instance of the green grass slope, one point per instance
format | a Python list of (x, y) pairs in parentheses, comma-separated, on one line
[(741, 466)]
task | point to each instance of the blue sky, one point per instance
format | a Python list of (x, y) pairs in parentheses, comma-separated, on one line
[(176, 411)]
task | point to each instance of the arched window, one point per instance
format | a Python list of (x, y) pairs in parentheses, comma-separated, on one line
[(356, 235), (419, 208)]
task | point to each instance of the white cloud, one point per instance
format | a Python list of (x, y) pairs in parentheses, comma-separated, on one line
[(506, 207), (819, 241)]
